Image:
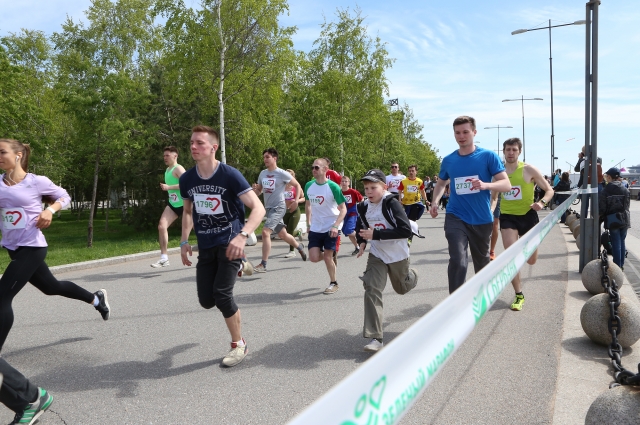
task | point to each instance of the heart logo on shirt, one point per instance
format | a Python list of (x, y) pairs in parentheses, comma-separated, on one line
[(379, 226), (320, 199), (271, 182), (216, 203), (13, 214), (516, 191), (471, 188)]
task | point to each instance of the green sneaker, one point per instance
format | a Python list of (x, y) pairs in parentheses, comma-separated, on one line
[(518, 303), (33, 410)]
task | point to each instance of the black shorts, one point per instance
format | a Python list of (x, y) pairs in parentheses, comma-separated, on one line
[(522, 223), (177, 210)]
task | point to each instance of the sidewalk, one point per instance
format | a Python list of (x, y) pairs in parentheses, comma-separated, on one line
[(584, 370)]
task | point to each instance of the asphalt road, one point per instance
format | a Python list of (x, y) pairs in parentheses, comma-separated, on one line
[(157, 360)]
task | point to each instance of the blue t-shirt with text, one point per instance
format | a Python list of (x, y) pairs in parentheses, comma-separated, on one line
[(218, 212), (470, 205)]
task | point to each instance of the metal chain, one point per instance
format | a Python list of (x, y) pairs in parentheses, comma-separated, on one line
[(621, 375)]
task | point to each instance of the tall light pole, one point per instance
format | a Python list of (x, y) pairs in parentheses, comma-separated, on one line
[(522, 99), (498, 127), (520, 31)]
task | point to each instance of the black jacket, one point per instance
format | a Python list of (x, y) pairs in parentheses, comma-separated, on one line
[(562, 186), (393, 212), (615, 198)]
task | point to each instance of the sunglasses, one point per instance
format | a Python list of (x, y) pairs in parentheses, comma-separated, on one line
[(315, 167), (394, 166)]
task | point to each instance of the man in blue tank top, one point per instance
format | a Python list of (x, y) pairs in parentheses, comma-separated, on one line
[(469, 221)]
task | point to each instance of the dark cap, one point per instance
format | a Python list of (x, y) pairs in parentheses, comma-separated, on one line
[(613, 172), (375, 176)]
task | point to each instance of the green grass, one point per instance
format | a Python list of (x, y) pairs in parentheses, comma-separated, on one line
[(67, 239)]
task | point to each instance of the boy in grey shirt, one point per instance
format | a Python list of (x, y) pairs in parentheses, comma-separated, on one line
[(271, 183)]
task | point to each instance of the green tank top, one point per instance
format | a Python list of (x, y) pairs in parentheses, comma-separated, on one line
[(518, 200), (174, 195)]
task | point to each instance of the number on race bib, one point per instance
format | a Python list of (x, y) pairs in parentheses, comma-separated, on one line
[(14, 218), (514, 194), (208, 204), (463, 185)]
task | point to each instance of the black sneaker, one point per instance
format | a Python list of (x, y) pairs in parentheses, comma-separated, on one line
[(301, 251), (356, 251), (33, 410), (103, 304)]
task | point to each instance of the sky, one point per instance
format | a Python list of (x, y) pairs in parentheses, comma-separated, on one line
[(459, 58)]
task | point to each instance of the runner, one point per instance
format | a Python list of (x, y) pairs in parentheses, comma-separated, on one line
[(428, 188), (214, 197), (335, 177), (272, 182), (329, 210), (411, 189), (382, 220), (21, 197), (518, 211), (174, 208), (352, 197), (293, 198), (468, 220), (394, 179)]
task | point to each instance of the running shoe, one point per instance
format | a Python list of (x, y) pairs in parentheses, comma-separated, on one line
[(236, 355), (33, 410), (303, 254), (298, 234), (260, 268), (356, 251), (160, 263), (247, 268), (374, 345), (103, 304), (518, 303), (492, 255), (290, 254), (331, 289)]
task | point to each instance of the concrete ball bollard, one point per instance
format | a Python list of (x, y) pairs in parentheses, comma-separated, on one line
[(570, 218), (594, 318), (592, 275), (619, 405), (573, 224), (576, 230), (578, 242)]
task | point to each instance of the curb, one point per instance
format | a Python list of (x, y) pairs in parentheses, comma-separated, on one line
[(112, 260)]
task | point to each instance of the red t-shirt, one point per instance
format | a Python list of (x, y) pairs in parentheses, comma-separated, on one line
[(352, 197), (334, 176)]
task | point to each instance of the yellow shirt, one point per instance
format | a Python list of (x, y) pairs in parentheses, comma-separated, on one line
[(411, 190)]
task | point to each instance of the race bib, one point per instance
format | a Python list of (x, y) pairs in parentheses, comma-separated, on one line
[(316, 200), (347, 198), (13, 218), (412, 189), (463, 185), (394, 183), (208, 204), (173, 197), (268, 183), (514, 194), (377, 225)]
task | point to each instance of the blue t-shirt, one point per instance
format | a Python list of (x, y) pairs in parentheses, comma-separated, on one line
[(218, 212), (470, 205)]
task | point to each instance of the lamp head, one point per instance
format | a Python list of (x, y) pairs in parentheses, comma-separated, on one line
[(518, 31), (581, 22), (537, 98)]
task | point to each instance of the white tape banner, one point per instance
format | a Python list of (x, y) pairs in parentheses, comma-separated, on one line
[(383, 389)]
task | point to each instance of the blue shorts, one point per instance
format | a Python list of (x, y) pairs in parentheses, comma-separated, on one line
[(349, 225), (322, 241)]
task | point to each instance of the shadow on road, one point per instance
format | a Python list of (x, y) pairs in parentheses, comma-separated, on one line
[(122, 376)]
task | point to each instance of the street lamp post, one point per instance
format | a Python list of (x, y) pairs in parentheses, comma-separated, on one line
[(498, 127), (520, 31), (522, 99)]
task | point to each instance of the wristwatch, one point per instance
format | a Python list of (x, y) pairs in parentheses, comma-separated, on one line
[(245, 234), (545, 203)]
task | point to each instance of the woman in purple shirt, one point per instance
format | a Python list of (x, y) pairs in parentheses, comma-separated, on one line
[(22, 217)]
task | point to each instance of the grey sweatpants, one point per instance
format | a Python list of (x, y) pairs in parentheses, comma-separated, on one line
[(403, 279), (462, 236)]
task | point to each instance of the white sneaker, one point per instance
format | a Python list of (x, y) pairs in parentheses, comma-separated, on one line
[(374, 345), (291, 254), (161, 263)]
